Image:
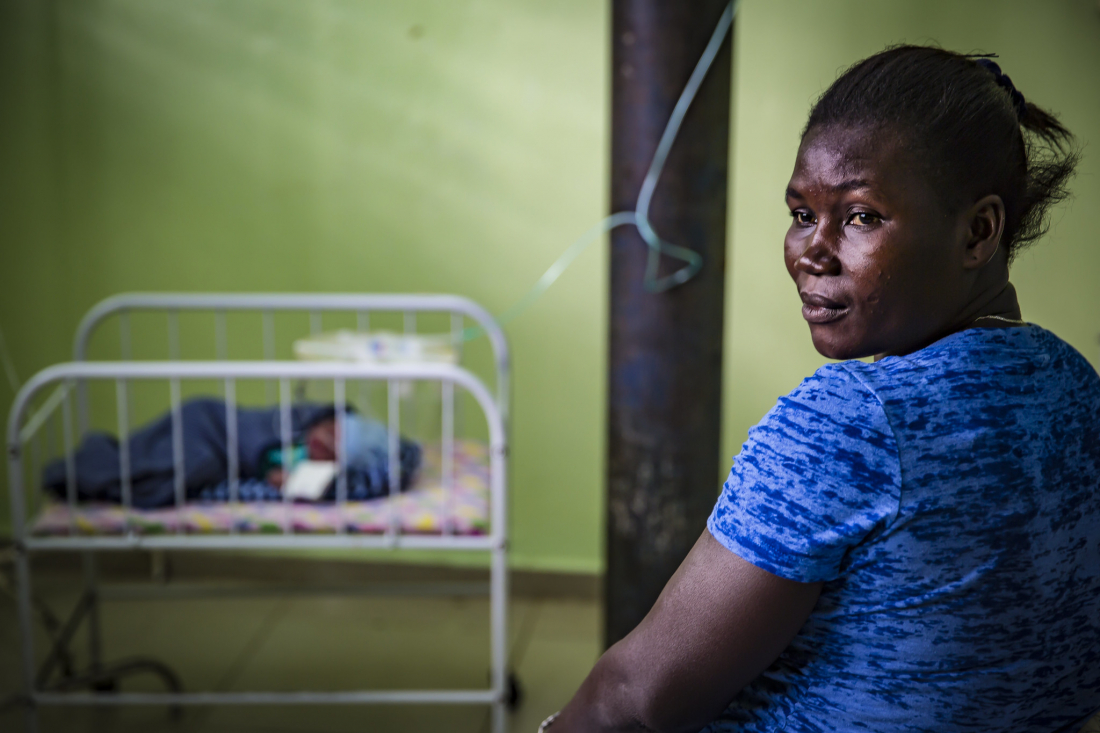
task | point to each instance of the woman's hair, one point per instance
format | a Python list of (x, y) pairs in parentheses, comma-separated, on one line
[(968, 124)]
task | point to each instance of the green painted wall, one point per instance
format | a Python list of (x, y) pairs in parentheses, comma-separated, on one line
[(439, 146)]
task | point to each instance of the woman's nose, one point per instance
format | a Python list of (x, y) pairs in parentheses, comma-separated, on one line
[(819, 258)]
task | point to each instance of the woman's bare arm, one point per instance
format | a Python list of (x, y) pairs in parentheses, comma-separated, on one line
[(718, 623)]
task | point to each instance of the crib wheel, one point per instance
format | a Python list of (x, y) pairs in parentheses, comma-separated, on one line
[(515, 692)]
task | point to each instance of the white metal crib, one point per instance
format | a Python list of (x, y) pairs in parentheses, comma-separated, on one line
[(36, 405)]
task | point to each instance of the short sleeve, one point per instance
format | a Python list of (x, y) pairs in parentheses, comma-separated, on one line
[(816, 477)]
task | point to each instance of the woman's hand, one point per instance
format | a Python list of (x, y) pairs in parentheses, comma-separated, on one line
[(718, 623)]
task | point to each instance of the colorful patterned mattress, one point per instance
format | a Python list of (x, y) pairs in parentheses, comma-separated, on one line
[(419, 510)]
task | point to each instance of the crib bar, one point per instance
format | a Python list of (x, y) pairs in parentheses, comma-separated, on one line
[(70, 459), (82, 418), (26, 625), (36, 460), (269, 349), (458, 328), (339, 398), (124, 335), (53, 440), (315, 322), (448, 458), (285, 436), (36, 472), (498, 633), (50, 429), (410, 322), (173, 335), (126, 353), (274, 541), (129, 402), (155, 370), (393, 437), (123, 409), (498, 573), (221, 347), (231, 449), (350, 697), (362, 325), (498, 510), (124, 350), (178, 467), (49, 440)]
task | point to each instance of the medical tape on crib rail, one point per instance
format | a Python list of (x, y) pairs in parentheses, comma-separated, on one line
[(39, 418), (693, 261)]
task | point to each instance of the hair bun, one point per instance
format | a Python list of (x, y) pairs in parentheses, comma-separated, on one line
[(1004, 81)]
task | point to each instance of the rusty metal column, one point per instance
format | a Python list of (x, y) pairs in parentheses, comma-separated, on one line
[(665, 361)]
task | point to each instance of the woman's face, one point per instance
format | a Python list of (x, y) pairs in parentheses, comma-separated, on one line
[(874, 253)]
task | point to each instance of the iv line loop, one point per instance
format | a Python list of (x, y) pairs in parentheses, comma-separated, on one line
[(640, 216), (657, 246)]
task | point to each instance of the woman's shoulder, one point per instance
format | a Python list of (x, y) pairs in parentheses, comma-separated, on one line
[(978, 356), (977, 372), (817, 475), (836, 404), (1000, 384)]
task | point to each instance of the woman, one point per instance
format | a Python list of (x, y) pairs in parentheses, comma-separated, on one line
[(909, 544)]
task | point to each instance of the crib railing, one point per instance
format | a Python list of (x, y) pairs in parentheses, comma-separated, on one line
[(63, 376), (268, 304), (24, 425)]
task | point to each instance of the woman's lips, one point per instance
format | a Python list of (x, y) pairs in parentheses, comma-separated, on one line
[(819, 309)]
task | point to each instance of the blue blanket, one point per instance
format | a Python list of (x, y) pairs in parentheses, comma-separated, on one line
[(98, 473)]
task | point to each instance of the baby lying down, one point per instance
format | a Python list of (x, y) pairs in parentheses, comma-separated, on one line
[(97, 465), (312, 475)]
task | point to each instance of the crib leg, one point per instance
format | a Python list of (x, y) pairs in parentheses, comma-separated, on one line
[(95, 643), (498, 618), (26, 627)]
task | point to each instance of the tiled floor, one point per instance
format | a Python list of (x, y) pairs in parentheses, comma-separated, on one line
[(323, 642)]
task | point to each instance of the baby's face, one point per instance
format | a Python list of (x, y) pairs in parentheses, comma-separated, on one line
[(321, 441)]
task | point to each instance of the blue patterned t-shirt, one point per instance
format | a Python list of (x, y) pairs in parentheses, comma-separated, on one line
[(949, 500)]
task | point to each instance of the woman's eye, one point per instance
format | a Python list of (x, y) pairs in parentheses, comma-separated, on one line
[(863, 219), (803, 218)]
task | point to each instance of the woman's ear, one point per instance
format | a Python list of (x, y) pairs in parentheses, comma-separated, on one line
[(986, 224)]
